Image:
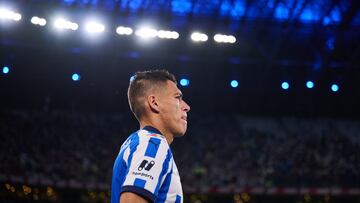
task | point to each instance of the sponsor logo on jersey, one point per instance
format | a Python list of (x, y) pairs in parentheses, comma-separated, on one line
[(145, 164), (143, 175)]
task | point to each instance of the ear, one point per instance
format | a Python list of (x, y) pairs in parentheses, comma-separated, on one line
[(153, 103)]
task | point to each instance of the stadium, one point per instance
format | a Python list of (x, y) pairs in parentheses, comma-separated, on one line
[(273, 85)]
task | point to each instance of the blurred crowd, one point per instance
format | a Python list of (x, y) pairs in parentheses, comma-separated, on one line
[(218, 152), (233, 151)]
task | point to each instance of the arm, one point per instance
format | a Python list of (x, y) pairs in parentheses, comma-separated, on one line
[(129, 197)]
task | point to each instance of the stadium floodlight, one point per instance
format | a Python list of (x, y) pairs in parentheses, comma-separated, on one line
[(220, 38), (94, 27), (75, 77), (164, 34), (175, 34), (61, 23), (285, 85), (5, 70), (38, 21), (146, 33), (231, 39), (184, 82), (334, 87), (124, 30), (234, 83), (310, 84), (199, 37), (9, 15)]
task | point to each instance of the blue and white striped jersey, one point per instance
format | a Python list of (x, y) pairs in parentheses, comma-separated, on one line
[(145, 166)]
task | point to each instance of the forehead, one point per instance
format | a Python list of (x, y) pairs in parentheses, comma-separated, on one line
[(172, 88)]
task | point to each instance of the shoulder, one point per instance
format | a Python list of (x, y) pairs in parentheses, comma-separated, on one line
[(152, 138), (146, 143)]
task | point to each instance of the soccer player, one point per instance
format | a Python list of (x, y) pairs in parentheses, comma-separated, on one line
[(144, 170)]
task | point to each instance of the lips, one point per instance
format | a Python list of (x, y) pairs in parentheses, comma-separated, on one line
[(184, 118)]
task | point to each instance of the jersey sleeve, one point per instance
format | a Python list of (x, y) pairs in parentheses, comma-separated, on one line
[(148, 163)]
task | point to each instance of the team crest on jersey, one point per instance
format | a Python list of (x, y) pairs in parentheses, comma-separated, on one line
[(145, 164)]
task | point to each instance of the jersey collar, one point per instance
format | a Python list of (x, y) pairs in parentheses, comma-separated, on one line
[(152, 129)]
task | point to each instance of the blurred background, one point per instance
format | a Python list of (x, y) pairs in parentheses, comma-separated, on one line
[(274, 87)]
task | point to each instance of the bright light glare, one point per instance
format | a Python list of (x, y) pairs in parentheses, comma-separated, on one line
[(199, 37), (9, 15), (234, 83), (146, 33), (285, 85), (94, 27), (164, 34), (334, 87), (61, 23), (38, 21), (184, 82), (309, 84), (5, 70), (124, 30), (75, 77), (224, 38)]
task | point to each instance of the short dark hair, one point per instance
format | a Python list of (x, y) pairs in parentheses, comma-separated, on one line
[(142, 82)]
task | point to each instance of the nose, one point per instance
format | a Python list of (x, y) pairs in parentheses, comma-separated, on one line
[(186, 107)]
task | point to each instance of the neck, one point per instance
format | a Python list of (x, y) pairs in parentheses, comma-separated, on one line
[(168, 136)]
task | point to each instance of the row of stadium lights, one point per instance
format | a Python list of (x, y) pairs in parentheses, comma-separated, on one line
[(186, 82), (95, 27), (233, 83), (310, 85), (285, 85)]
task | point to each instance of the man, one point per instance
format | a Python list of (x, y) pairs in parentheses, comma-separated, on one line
[(144, 170)]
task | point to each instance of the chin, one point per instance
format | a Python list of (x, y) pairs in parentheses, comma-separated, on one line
[(180, 133)]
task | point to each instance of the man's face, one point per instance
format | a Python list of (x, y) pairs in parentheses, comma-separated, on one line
[(173, 110)]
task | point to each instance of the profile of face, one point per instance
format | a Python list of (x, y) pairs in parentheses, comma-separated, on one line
[(173, 109)]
